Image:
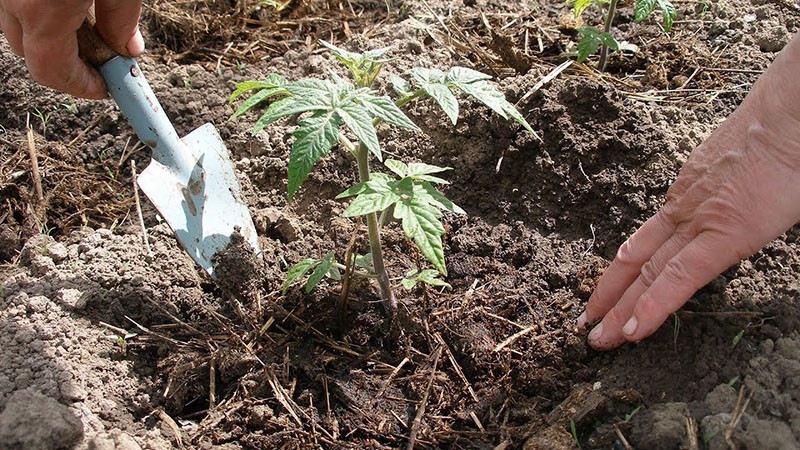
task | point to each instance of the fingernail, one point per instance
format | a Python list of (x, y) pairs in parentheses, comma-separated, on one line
[(582, 320), (596, 333), (630, 326), (136, 44)]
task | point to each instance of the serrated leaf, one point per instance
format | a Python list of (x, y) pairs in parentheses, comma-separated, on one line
[(421, 224), (297, 271), (589, 44), (458, 74), (353, 190), (320, 271), (418, 169), (668, 13), (314, 138), (427, 276), (289, 106), (357, 118), (444, 97), (385, 109), (272, 81), (580, 6), (364, 261), (425, 75), (313, 87), (486, 94), (608, 40), (426, 192), (643, 9), (398, 167), (401, 86), (377, 196), (253, 100)]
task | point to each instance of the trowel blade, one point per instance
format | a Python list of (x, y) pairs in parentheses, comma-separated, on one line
[(204, 207)]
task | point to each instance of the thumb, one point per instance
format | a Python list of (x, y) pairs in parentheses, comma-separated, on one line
[(118, 24)]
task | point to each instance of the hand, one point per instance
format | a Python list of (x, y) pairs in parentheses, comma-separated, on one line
[(737, 191), (44, 33)]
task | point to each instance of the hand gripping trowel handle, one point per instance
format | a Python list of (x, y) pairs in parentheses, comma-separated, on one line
[(129, 88)]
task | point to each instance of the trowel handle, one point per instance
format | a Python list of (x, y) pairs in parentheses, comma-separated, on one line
[(92, 48)]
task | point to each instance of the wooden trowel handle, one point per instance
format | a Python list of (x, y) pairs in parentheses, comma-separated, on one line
[(91, 47)]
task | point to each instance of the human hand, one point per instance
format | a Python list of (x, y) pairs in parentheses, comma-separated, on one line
[(737, 191), (44, 33)]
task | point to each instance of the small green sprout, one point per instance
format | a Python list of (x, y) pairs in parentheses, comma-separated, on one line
[(629, 416), (737, 338), (44, 118), (594, 38), (427, 276), (573, 431)]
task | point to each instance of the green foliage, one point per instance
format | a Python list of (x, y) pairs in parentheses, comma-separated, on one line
[(629, 416), (321, 268), (427, 276), (737, 339), (644, 8), (417, 204), (363, 66), (331, 109), (594, 38)]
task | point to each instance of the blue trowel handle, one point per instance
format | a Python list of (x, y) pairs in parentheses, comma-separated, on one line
[(129, 88)]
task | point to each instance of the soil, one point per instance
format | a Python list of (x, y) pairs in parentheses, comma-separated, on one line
[(106, 342)]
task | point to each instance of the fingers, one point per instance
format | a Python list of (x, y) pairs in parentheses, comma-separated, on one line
[(696, 265), (627, 265), (609, 333), (55, 63), (118, 24), (13, 32), (642, 310)]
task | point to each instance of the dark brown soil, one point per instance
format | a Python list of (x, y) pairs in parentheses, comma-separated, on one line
[(130, 349)]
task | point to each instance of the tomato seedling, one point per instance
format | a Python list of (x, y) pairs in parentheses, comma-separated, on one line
[(328, 109), (594, 38)]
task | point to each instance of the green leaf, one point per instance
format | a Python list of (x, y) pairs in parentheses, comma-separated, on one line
[(357, 118), (297, 271), (321, 270), (313, 87), (580, 6), (353, 190), (401, 86), (364, 66), (289, 106), (458, 74), (313, 139), (643, 9), (426, 192), (417, 169), (378, 195), (421, 224), (668, 13), (608, 40), (427, 276), (425, 75), (398, 167), (385, 109), (486, 94), (589, 44), (442, 95), (273, 81)]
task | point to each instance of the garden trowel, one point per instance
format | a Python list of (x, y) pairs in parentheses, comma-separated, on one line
[(191, 179)]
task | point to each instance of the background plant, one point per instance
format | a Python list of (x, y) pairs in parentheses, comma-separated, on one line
[(328, 109), (594, 38)]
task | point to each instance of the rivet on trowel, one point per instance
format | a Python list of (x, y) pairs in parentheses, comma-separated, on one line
[(134, 71)]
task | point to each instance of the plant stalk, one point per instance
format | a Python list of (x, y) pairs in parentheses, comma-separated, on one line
[(389, 301), (612, 11)]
